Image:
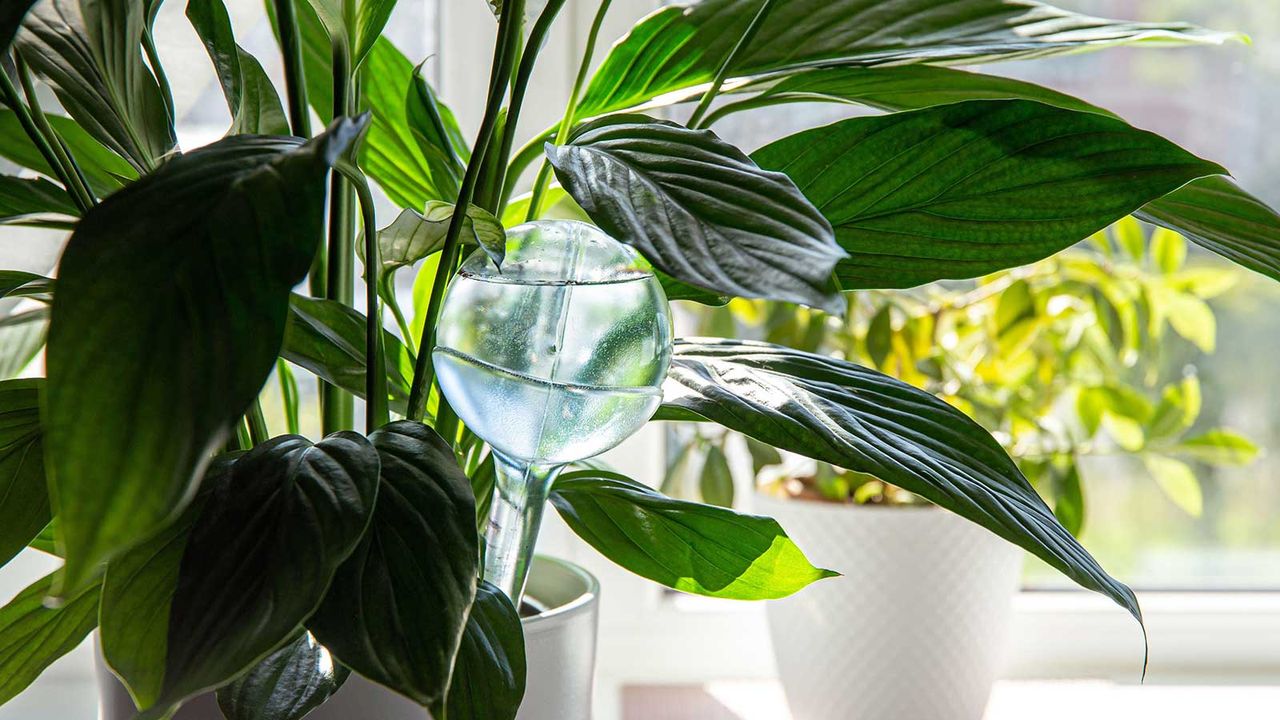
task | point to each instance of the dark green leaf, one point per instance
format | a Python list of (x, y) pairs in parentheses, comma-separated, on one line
[(288, 684), (1217, 214), (855, 418), (21, 337), (354, 23), (91, 54), (688, 546), (715, 485), (762, 454), (489, 676), (11, 15), (677, 290), (397, 609), (25, 199), (482, 483), (328, 339), (1069, 506), (106, 171), (413, 236), (259, 558), (681, 47), (961, 190), (700, 210), (255, 107), (906, 87), (24, 494), (170, 312), (32, 635), (879, 340), (23, 284)]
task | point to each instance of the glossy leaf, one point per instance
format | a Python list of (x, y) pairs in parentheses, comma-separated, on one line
[(439, 137), (962, 190), (24, 494), (255, 106), (489, 675), (413, 235), (91, 54), (700, 210), (1217, 214), (106, 171), (260, 556), (170, 312), (33, 635), (680, 47), (25, 200), (328, 339), (397, 608), (23, 284), (11, 15), (895, 88), (288, 684), (838, 412), (355, 23), (687, 546)]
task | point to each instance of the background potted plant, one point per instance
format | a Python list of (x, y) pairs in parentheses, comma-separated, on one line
[(202, 547), (1085, 355)]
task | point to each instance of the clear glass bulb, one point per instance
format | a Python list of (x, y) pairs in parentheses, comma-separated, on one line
[(557, 357)]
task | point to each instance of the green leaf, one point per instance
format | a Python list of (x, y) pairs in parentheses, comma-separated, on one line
[(32, 635), (436, 129), (413, 235), (106, 171), (24, 200), (1130, 238), (762, 454), (262, 553), (680, 47), (24, 494), (894, 88), (855, 418), (715, 485), (1068, 504), (1192, 318), (1217, 214), (23, 284), (397, 608), (1219, 446), (1168, 250), (677, 290), (354, 23), (687, 546), (255, 106), (328, 339), (170, 312), (489, 675), (700, 210), (1178, 408), (21, 337), (391, 153), (288, 684), (1177, 481), (11, 15), (90, 53), (962, 190), (879, 338)]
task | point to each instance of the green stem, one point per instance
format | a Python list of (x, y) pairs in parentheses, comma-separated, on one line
[(710, 95), (37, 127), (294, 84), (337, 405), (571, 109), (258, 431), (376, 412), (504, 51), (497, 165), (288, 395), (244, 438), (749, 104), (523, 158), (389, 298)]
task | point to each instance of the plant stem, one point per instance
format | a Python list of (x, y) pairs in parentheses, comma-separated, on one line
[(705, 104), (504, 51), (389, 296), (291, 53), (523, 158), (258, 432), (375, 399), (337, 405), (35, 130), (570, 110), (288, 395), (153, 58), (497, 165)]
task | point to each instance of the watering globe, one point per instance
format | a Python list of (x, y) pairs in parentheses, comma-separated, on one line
[(557, 357)]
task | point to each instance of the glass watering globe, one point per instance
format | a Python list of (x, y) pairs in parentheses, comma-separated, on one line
[(557, 357)]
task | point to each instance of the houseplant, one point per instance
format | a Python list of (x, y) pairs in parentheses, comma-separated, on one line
[(1047, 358), (144, 447)]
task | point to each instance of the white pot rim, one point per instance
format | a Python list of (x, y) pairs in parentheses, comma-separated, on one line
[(578, 605)]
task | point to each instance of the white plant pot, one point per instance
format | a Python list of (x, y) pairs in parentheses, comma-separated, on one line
[(916, 629), (560, 648)]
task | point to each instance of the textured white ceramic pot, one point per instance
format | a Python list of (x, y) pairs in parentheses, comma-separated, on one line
[(560, 647), (917, 627)]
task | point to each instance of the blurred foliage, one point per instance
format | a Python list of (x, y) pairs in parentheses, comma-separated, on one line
[(1091, 352)]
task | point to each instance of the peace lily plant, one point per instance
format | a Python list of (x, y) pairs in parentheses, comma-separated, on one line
[(209, 551)]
